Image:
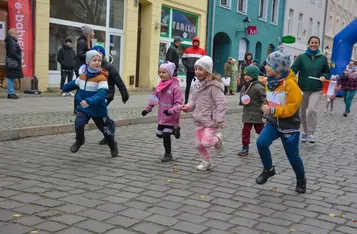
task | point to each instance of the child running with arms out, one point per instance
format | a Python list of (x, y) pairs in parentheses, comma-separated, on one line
[(90, 99), (253, 97), (209, 106), (282, 118), (168, 96)]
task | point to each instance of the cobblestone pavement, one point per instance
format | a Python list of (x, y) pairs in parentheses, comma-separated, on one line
[(46, 189), (55, 110)]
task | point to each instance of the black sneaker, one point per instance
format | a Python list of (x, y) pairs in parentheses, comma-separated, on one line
[(103, 142), (167, 158), (177, 132), (345, 114), (266, 174), (301, 185), (114, 149), (12, 96), (76, 146)]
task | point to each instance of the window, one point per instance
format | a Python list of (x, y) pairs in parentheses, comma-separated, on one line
[(275, 11), (116, 19), (318, 29), (290, 21), (321, 3), (301, 18), (337, 28), (309, 33), (263, 9), (330, 25), (226, 3), (242, 6)]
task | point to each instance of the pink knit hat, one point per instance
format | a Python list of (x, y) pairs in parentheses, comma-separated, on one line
[(169, 67)]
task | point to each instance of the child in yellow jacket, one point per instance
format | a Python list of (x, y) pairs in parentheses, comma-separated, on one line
[(281, 114)]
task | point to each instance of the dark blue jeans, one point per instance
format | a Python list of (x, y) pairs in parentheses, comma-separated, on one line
[(291, 145)]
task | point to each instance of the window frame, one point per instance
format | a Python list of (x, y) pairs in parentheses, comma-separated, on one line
[(291, 21), (245, 7), (300, 23), (275, 14), (265, 10), (311, 26), (229, 4)]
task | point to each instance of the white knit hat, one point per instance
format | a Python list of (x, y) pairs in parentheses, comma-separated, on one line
[(206, 63)]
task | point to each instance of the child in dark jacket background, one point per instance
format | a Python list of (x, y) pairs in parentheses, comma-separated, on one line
[(253, 97), (90, 102)]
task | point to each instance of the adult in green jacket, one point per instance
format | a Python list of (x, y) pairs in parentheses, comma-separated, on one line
[(310, 64)]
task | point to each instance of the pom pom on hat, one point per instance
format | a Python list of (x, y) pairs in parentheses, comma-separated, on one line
[(99, 47), (169, 67), (280, 60), (90, 54), (206, 63)]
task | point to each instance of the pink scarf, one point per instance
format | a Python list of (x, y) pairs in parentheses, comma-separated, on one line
[(163, 85)]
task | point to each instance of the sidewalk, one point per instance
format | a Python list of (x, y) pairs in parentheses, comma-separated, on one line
[(52, 114)]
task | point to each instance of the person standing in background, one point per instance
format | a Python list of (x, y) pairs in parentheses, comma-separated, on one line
[(228, 72), (173, 54), (67, 58), (235, 76)]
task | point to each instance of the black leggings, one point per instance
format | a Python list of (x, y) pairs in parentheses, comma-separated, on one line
[(190, 76), (164, 132)]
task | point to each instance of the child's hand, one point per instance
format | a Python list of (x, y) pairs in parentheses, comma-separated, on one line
[(266, 109), (167, 113), (184, 108), (84, 104), (222, 125), (144, 112), (322, 79)]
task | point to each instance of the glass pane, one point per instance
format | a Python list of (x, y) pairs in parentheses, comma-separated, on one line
[(165, 21), (181, 71), (82, 11), (115, 49), (59, 33), (184, 25), (116, 14), (3, 29)]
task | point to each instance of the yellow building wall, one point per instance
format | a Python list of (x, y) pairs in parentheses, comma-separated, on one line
[(150, 39), (42, 28)]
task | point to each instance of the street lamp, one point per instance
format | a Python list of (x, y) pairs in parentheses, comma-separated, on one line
[(246, 22), (327, 50)]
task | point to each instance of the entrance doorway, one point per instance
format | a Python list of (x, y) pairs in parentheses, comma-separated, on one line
[(221, 51), (3, 33)]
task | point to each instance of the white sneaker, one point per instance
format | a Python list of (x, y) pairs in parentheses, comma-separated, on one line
[(325, 111), (204, 166), (311, 138), (331, 112), (304, 137), (219, 146), (64, 94), (71, 94)]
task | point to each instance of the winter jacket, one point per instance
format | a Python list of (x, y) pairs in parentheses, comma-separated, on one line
[(348, 81), (66, 57), (82, 48), (192, 54), (252, 112), (114, 79), (13, 51), (208, 103), (173, 56), (228, 69), (170, 98), (285, 115), (92, 90), (315, 66)]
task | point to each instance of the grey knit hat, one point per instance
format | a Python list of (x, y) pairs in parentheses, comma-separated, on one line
[(87, 30), (280, 61), (90, 54)]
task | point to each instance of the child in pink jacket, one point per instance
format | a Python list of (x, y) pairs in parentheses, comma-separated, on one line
[(209, 105), (169, 97)]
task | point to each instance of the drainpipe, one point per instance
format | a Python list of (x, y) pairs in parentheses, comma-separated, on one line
[(283, 24), (324, 28), (212, 26)]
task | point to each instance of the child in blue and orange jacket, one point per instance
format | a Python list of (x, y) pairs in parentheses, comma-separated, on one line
[(90, 99)]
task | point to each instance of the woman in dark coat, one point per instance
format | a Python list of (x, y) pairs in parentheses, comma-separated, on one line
[(248, 60), (13, 62)]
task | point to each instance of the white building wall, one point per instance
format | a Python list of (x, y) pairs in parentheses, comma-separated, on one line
[(314, 9)]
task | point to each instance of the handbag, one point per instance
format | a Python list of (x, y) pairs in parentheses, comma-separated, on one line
[(226, 81), (11, 63)]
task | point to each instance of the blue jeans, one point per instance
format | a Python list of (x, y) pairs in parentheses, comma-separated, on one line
[(291, 145), (348, 97), (10, 86)]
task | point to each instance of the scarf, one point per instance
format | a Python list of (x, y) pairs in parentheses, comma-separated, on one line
[(163, 85), (91, 72), (274, 82), (311, 52)]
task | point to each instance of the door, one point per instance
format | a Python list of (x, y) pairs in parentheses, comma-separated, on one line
[(3, 33), (115, 51), (242, 49)]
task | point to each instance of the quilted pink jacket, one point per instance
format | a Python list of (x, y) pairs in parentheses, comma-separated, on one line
[(208, 103)]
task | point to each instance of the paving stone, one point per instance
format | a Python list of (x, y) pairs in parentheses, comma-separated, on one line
[(180, 193), (170, 205), (137, 205), (148, 228), (302, 212), (193, 210), (272, 228), (227, 202), (10, 204), (51, 226), (122, 221), (162, 220), (48, 213), (73, 230), (71, 208), (30, 209), (30, 220), (68, 219), (26, 198), (243, 222), (111, 208), (96, 214), (279, 222), (94, 226), (6, 215), (120, 231), (288, 216), (347, 230), (163, 211), (82, 201), (48, 202), (135, 213), (218, 224), (259, 210), (14, 229), (309, 229), (189, 227), (217, 215), (243, 230), (191, 218)]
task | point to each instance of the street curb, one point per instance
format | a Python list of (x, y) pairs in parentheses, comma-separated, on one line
[(20, 133)]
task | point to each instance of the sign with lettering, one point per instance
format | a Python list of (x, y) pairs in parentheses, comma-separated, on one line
[(165, 21), (252, 30), (184, 25)]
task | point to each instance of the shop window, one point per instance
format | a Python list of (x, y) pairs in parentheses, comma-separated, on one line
[(263, 9), (82, 11), (275, 11), (242, 6), (116, 14), (58, 33), (226, 3)]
